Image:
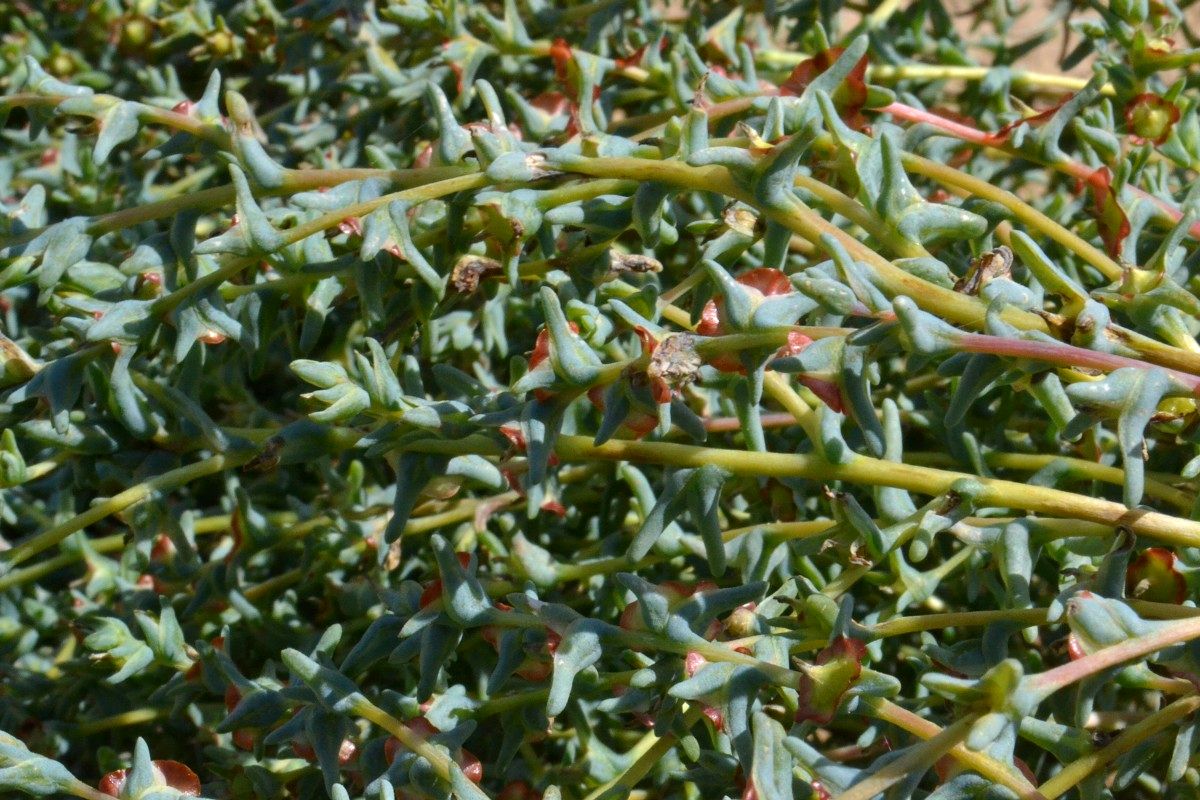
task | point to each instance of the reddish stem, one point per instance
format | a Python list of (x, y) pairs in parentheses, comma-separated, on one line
[(1066, 355), (975, 136), (777, 419), (1052, 680)]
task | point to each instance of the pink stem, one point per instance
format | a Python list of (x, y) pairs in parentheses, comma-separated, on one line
[(1067, 355), (1054, 679), (776, 419), (956, 129), (975, 136)]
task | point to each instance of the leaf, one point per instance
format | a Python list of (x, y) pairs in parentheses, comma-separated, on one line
[(119, 124), (30, 773), (580, 647)]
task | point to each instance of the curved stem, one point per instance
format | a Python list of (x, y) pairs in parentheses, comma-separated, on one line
[(950, 177), (442, 765), (207, 131), (233, 266), (890, 73), (645, 755)]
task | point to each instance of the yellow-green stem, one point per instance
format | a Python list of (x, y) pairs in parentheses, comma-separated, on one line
[(1135, 734), (877, 472)]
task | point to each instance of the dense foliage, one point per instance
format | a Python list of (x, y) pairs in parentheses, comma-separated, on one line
[(519, 400)]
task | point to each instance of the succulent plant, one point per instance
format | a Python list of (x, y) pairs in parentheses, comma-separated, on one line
[(591, 400)]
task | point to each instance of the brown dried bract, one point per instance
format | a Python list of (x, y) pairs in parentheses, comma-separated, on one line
[(987, 267), (268, 459), (742, 219), (619, 263), (470, 270), (675, 361)]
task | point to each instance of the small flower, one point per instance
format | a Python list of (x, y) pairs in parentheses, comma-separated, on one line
[(1150, 118)]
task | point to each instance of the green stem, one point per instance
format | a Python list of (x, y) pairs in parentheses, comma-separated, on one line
[(136, 716), (207, 131), (1027, 214), (1067, 166), (891, 73), (294, 180), (1068, 355), (442, 764), (1079, 467), (131, 496), (998, 772), (1075, 772), (645, 755), (800, 219), (901, 626), (857, 213), (233, 266), (916, 759), (877, 472)]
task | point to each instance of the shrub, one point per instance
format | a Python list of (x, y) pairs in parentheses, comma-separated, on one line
[(424, 399)]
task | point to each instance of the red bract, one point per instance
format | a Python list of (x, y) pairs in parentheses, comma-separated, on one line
[(658, 387), (553, 103), (518, 790), (633, 59), (535, 667), (763, 282), (1154, 576), (1110, 217), (1001, 136), (852, 95), (638, 422), (1150, 118), (243, 738), (554, 507), (166, 773), (560, 52), (541, 352), (824, 683), (541, 347), (433, 589)]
